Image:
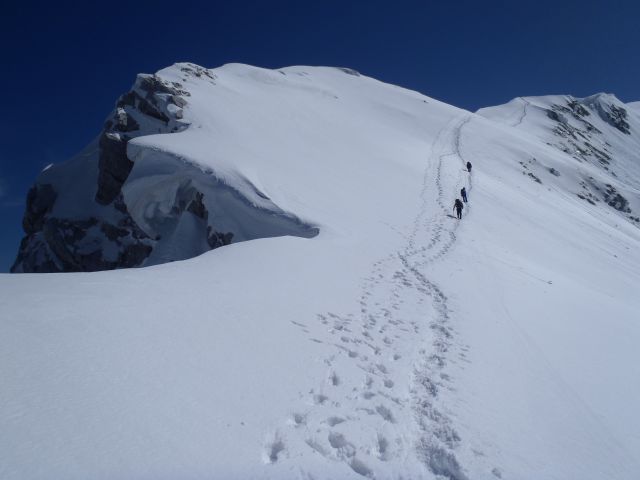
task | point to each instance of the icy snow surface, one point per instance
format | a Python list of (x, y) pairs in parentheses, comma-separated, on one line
[(398, 343)]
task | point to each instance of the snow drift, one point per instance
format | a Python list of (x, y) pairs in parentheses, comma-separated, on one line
[(396, 343)]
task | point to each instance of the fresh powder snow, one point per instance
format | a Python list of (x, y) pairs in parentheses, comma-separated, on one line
[(352, 327)]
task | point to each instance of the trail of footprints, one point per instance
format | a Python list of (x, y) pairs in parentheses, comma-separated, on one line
[(398, 344)]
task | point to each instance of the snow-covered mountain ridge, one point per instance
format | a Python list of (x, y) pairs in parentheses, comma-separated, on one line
[(364, 331), (125, 203), (593, 130), (98, 212)]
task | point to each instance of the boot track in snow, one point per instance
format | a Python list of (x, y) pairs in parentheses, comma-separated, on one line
[(399, 344)]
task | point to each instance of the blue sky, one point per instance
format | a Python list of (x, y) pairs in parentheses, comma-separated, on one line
[(65, 63)]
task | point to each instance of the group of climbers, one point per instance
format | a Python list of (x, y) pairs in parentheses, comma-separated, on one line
[(458, 205)]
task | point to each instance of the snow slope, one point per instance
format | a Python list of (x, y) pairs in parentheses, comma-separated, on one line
[(634, 106), (397, 343)]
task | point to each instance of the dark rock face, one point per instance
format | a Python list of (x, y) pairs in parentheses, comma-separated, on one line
[(77, 217), (114, 166), (612, 114), (143, 101), (196, 206), (618, 118), (218, 239), (615, 200), (579, 138), (125, 122), (555, 116), (150, 110), (79, 245), (152, 85), (112, 239), (40, 200), (197, 71), (27, 263), (578, 109)]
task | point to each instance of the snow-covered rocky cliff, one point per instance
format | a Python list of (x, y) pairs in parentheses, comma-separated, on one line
[(121, 203), (364, 331), (125, 203), (599, 132)]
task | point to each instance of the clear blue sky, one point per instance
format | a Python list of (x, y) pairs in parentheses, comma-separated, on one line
[(65, 63)]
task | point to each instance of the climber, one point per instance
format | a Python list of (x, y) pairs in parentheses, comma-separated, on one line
[(458, 206), (469, 167), (463, 192)]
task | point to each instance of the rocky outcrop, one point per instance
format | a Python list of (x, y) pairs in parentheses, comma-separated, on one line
[(80, 245), (573, 123), (349, 71), (85, 215), (40, 200), (615, 199), (614, 115), (149, 101), (114, 166), (109, 238), (582, 137)]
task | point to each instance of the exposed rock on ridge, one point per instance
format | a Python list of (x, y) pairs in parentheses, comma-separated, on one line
[(77, 217)]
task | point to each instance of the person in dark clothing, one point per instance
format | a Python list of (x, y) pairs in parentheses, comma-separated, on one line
[(463, 192), (458, 206), (469, 167)]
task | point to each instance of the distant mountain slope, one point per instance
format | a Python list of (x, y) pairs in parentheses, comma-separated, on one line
[(599, 132), (634, 106), (373, 334)]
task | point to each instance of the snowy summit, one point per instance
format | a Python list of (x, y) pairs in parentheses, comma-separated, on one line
[(312, 308)]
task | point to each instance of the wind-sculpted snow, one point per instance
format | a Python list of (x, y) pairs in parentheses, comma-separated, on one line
[(364, 331), (181, 209), (164, 185)]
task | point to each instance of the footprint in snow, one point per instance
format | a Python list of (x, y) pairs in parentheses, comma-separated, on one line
[(273, 449)]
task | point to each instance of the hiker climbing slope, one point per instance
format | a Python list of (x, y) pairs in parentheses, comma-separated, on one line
[(469, 167), (458, 206), (463, 192)]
